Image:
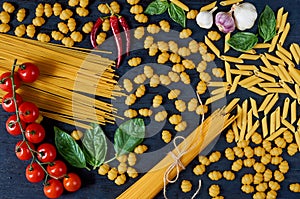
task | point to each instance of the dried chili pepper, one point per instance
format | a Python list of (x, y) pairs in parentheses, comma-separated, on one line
[(125, 26), (114, 23), (94, 31)]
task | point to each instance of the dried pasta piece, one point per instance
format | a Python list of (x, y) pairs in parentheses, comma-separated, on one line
[(262, 187), (140, 91), (208, 57), (173, 94), (192, 14), (185, 78), (214, 190), (268, 174), (57, 9), (103, 8), (192, 104), (66, 14), (181, 126), (157, 100), (180, 105), (163, 58), (218, 72), (188, 64), (148, 42), (87, 27), (135, 61), (215, 156), (145, 112), (258, 178), (20, 30), (237, 165), (249, 152), (247, 188), (148, 71), (76, 36), (165, 80), (166, 136), (178, 68), (173, 46), (130, 99), (215, 175), (256, 138), (139, 32), (284, 167), (247, 179), (266, 159), (238, 152), (115, 6), (103, 169), (101, 38), (202, 48), (141, 18), (140, 149), (201, 67), (121, 179), (295, 187), (71, 24), (249, 162), (194, 46), (8, 7), (184, 51), (276, 160), (122, 167), (229, 154), (204, 160), (130, 113), (82, 12), (278, 176), (21, 14), (154, 81), (122, 158), (199, 169), (112, 174), (4, 28), (48, 10), (185, 33), (30, 30), (140, 79), (136, 9), (201, 87), (153, 49), (62, 27), (133, 2), (229, 175), (39, 10), (43, 37), (73, 3), (186, 186), (259, 151), (259, 167), (153, 28), (292, 149), (67, 41), (132, 173), (131, 159), (38, 21), (213, 35), (205, 77), (175, 119)]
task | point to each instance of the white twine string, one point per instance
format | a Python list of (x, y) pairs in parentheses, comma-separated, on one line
[(177, 163)]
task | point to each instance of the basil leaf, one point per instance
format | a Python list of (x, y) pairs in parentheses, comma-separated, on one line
[(89, 159), (243, 41), (129, 134), (69, 149), (94, 141), (267, 24), (177, 14), (157, 7)]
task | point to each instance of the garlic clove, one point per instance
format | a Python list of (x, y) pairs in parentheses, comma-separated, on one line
[(245, 15), (205, 19), (225, 22)]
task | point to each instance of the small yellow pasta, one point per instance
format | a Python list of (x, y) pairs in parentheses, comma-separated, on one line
[(259, 167), (122, 167), (122, 158), (256, 138), (215, 175), (230, 136), (21, 14), (76, 36), (82, 12), (66, 14), (249, 162), (145, 112), (160, 116), (292, 149), (186, 186), (192, 104), (295, 187), (208, 57), (214, 190), (237, 165), (274, 185), (199, 169), (238, 152), (39, 10), (87, 27), (185, 78), (215, 156), (121, 179), (136, 9), (246, 188), (164, 25), (261, 187), (77, 134), (258, 178), (184, 51), (140, 91), (4, 28), (181, 126), (43, 37), (73, 3), (30, 30), (103, 169), (83, 3), (140, 149), (133, 2), (229, 175), (178, 68), (271, 194), (278, 176), (218, 72), (103, 8), (112, 174), (4, 17), (153, 49), (175, 119), (166, 136), (115, 7), (204, 160), (180, 105), (157, 100), (130, 99), (268, 174), (288, 136), (67, 41), (201, 87), (154, 81), (148, 42), (135, 61), (173, 46), (163, 46), (62, 27), (284, 167), (188, 64), (148, 71), (71, 24), (192, 14), (57, 9), (194, 46), (48, 10), (140, 79), (131, 159), (175, 58), (132, 173), (202, 48), (8, 7), (280, 142), (247, 179), (205, 77), (130, 113), (229, 154), (259, 151), (141, 18), (276, 160), (213, 35), (163, 58), (20, 30), (139, 32), (266, 159), (201, 67), (173, 94), (101, 38), (185, 33)]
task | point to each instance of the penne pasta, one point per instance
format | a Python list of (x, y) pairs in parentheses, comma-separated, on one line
[(217, 84), (265, 102), (248, 80), (257, 91), (283, 22), (220, 90), (241, 72), (269, 84), (276, 90), (297, 138), (297, 47), (235, 84), (252, 130), (279, 17), (274, 59), (271, 104), (293, 112), (296, 56), (231, 59), (284, 58), (264, 76), (214, 98), (280, 73), (284, 51), (243, 131), (209, 6), (249, 83), (266, 61), (226, 46), (288, 89), (229, 2), (276, 134), (284, 34), (246, 67), (295, 74), (264, 124), (277, 118), (235, 131), (244, 111), (288, 125), (250, 121), (231, 105), (273, 43), (269, 71), (272, 122), (249, 56), (240, 116), (212, 46), (227, 72), (297, 89), (254, 107), (286, 106), (286, 74), (262, 45)]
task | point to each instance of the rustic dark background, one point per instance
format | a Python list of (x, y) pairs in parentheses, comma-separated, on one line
[(13, 183)]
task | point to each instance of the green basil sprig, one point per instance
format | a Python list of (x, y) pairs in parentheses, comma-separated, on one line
[(177, 14), (267, 24), (157, 7), (129, 134), (69, 149), (243, 41), (94, 145)]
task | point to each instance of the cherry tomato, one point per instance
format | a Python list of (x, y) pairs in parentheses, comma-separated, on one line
[(13, 127), (34, 173), (6, 83), (46, 152), (57, 169), (28, 72), (22, 150), (72, 182), (53, 188), (29, 112), (8, 103), (35, 133)]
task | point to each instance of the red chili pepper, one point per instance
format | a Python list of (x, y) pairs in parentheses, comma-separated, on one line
[(94, 31), (116, 31), (125, 26)]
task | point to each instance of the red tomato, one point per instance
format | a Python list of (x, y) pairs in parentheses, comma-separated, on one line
[(72, 182), (46, 152), (34, 173), (28, 111), (35, 133), (53, 188), (8, 103), (13, 127), (57, 169), (28, 72), (6, 83), (22, 150)]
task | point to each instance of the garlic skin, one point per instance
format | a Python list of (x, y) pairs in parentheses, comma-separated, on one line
[(245, 15), (225, 22), (205, 19)]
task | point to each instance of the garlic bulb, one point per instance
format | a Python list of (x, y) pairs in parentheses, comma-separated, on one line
[(205, 19), (225, 22), (245, 15)]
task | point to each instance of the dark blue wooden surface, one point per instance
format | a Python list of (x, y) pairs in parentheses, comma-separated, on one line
[(13, 183)]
